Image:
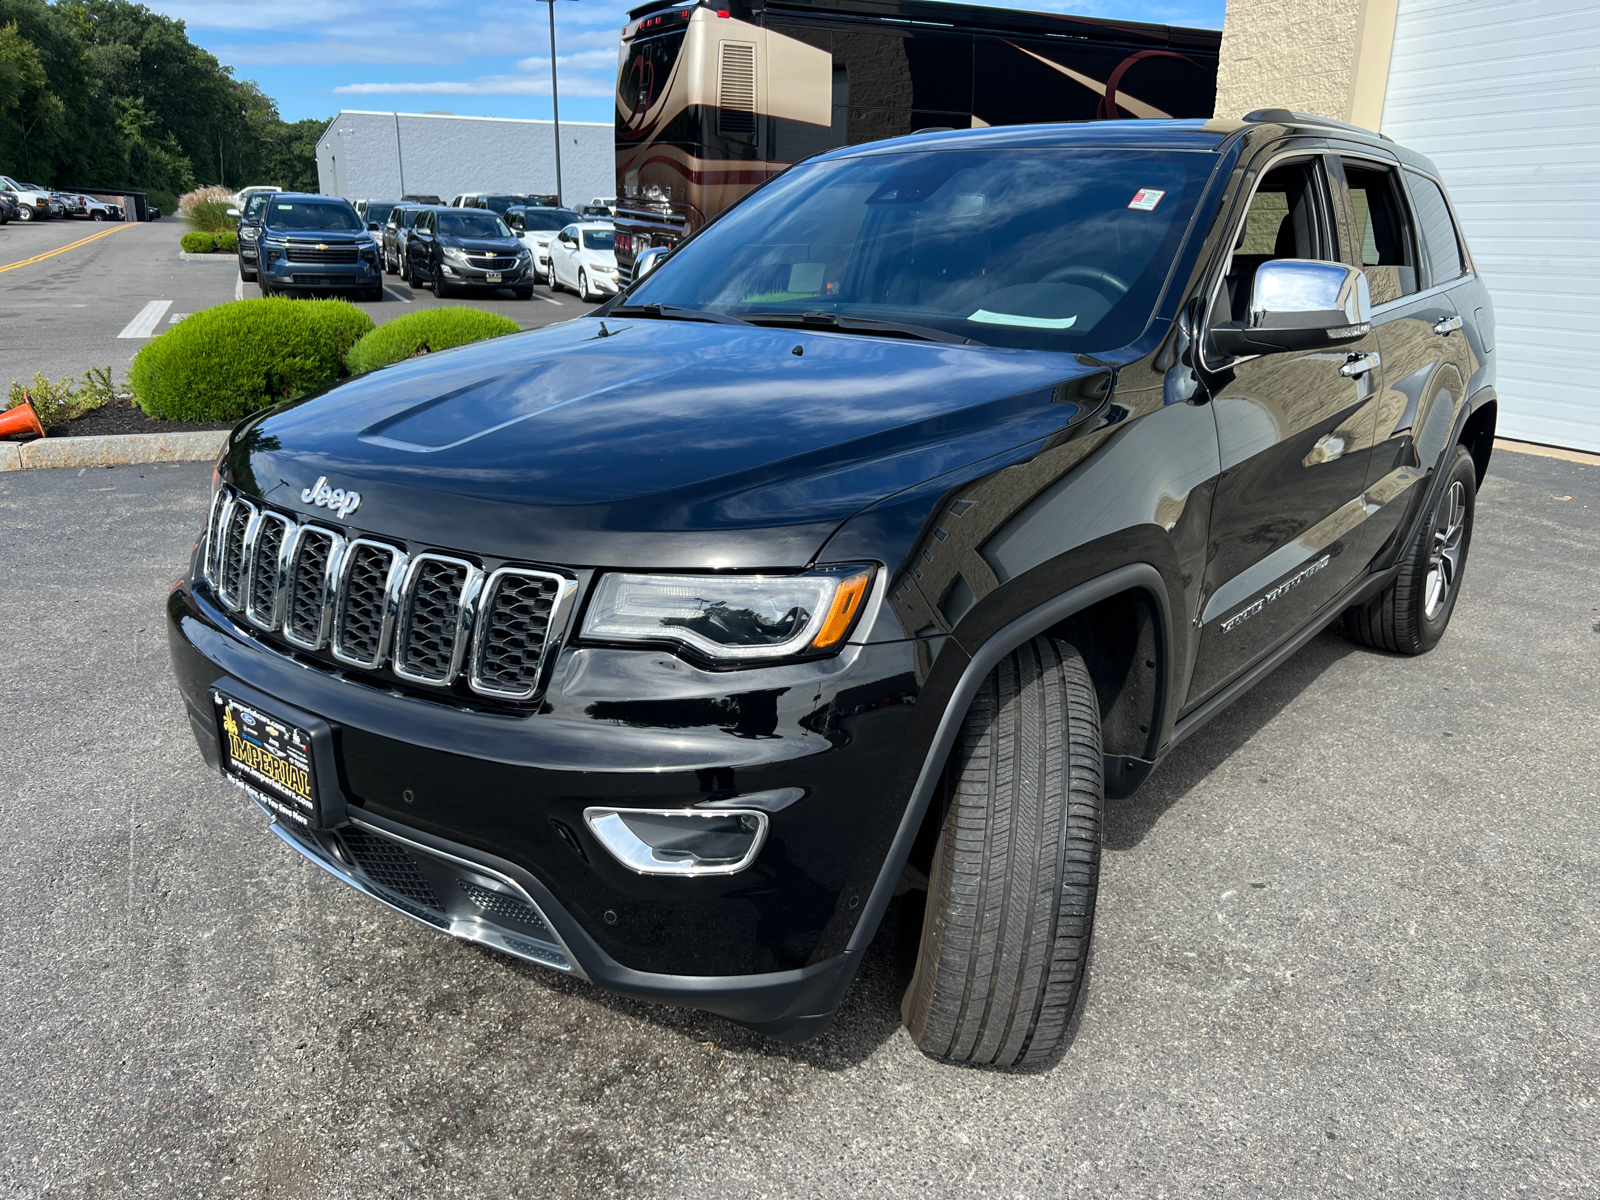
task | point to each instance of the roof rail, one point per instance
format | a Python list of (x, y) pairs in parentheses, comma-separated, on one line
[(1282, 116)]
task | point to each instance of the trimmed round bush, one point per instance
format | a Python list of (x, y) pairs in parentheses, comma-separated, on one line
[(227, 240), (199, 243), (226, 362), (424, 332)]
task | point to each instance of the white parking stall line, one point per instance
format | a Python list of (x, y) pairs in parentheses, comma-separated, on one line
[(238, 287), (144, 325), (549, 300), (175, 318), (397, 295)]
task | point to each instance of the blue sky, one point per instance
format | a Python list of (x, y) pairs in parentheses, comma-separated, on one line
[(316, 57)]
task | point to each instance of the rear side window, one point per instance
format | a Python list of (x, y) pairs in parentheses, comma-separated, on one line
[(1438, 230), (1383, 239)]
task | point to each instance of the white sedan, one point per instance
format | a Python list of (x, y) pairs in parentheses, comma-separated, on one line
[(582, 257)]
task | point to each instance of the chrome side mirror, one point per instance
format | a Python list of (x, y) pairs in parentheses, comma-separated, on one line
[(233, 212), (1298, 304), (649, 260)]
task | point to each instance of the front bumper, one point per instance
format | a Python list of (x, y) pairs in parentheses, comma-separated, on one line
[(322, 276), (470, 276), (493, 798)]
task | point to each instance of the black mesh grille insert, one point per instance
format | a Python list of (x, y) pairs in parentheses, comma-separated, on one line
[(308, 586), (434, 605), (508, 908), (389, 865), (233, 555), (301, 253), (513, 629), (264, 576), (366, 581)]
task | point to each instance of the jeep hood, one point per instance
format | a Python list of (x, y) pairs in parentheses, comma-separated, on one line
[(647, 442)]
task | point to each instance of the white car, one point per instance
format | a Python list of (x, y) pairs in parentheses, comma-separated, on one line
[(536, 228), (33, 203), (583, 258)]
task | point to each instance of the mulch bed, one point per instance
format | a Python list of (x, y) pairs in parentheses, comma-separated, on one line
[(122, 416)]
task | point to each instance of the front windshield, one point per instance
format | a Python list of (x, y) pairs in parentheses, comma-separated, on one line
[(1059, 249), (470, 222), (312, 214), (600, 239), (499, 204), (377, 214)]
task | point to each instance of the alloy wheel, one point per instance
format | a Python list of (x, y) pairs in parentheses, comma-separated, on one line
[(1444, 561)]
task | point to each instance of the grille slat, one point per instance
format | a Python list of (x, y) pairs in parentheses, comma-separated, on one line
[(368, 604), (305, 611), (301, 253), (272, 535), (230, 584), (363, 625), (514, 626), (427, 648)]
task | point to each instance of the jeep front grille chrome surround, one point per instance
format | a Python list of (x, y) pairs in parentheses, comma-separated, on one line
[(433, 619), (369, 597), (436, 611), (519, 610)]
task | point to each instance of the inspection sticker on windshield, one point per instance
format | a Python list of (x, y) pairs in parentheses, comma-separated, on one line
[(1145, 199)]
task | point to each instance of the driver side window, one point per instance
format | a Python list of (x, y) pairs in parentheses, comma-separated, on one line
[(1286, 219)]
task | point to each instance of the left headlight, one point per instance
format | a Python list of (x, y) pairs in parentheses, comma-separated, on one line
[(732, 618), (455, 254)]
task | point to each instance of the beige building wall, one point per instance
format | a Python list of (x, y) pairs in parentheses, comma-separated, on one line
[(1325, 57)]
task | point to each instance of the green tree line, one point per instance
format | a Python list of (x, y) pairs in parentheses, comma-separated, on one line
[(106, 94)]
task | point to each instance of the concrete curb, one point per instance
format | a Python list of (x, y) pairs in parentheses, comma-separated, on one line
[(227, 256), (114, 450)]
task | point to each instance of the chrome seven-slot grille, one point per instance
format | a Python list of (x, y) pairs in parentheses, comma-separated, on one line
[(431, 618)]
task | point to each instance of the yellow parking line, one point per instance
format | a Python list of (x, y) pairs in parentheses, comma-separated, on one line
[(93, 237)]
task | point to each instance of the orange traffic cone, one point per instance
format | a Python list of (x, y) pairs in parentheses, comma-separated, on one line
[(20, 420)]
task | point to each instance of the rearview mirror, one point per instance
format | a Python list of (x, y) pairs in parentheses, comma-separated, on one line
[(649, 260), (1297, 304)]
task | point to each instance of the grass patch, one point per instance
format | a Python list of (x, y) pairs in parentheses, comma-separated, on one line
[(226, 362), (65, 400), (424, 332)]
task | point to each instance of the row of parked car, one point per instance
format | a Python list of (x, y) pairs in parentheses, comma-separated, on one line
[(30, 202), (302, 242)]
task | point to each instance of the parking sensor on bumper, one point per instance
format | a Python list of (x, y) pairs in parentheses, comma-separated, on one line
[(680, 841)]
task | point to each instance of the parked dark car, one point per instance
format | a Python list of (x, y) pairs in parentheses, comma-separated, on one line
[(9, 207), (316, 244), (455, 248), (249, 232), (392, 243), (414, 198), (905, 513), (373, 214)]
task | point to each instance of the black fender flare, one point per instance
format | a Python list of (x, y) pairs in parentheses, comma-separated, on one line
[(1139, 576)]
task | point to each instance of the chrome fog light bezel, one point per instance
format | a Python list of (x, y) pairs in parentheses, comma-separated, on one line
[(609, 828)]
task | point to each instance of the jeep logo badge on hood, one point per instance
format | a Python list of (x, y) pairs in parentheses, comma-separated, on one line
[(335, 500)]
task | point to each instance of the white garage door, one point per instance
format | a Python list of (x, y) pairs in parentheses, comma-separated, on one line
[(1504, 96)]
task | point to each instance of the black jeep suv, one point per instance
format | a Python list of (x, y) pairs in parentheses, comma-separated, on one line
[(902, 517)]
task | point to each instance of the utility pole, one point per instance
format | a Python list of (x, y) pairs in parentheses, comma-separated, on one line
[(399, 161)]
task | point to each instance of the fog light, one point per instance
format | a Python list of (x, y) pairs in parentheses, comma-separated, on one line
[(680, 841)]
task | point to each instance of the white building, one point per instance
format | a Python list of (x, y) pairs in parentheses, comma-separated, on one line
[(384, 155)]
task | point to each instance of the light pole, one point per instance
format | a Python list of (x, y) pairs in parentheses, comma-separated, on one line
[(555, 101)]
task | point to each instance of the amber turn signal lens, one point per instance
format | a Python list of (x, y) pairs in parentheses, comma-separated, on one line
[(846, 603)]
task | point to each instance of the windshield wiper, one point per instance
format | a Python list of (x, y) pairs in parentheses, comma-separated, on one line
[(823, 320), (670, 312)]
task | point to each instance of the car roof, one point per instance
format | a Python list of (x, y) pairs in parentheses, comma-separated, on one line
[(594, 225)]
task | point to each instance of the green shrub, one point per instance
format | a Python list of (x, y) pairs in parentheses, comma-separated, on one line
[(423, 332), (227, 240), (211, 216), (59, 402), (226, 362), (198, 243)]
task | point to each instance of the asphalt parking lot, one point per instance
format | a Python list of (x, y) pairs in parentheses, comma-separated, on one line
[(96, 303), (1347, 943)]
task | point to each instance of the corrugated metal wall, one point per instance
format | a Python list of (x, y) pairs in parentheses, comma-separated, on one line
[(360, 156), (1504, 96)]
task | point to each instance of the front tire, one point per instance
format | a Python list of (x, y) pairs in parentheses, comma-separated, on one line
[(1005, 940), (25, 213), (583, 286), (440, 288), (1411, 614)]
